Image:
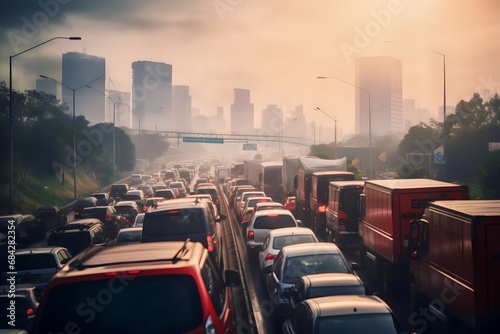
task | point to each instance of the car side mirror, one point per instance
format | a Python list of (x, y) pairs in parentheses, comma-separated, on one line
[(355, 266), (299, 223), (244, 225)]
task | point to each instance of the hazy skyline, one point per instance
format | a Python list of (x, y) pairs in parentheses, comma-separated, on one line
[(276, 49)]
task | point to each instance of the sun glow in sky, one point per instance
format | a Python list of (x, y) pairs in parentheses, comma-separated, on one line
[(275, 48)]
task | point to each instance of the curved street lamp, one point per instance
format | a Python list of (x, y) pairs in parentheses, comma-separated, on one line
[(369, 118), (335, 120), (74, 123), (11, 118)]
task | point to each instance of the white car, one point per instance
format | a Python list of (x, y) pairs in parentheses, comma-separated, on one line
[(279, 238), (263, 222)]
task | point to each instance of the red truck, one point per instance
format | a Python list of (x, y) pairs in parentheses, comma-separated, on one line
[(387, 208), (342, 212), (455, 263)]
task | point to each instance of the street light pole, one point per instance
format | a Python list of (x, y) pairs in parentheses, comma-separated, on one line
[(335, 120), (11, 117), (74, 124), (369, 118)]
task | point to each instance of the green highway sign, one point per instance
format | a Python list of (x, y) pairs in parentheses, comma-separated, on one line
[(207, 140)]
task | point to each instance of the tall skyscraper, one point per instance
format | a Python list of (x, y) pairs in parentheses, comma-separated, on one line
[(272, 119), (242, 112), (181, 108), (119, 103), (382, 77), (152, 96), (78, 71), (47, 86)]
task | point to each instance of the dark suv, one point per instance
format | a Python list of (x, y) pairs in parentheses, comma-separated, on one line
[(180, 219), (79, 235), (111, 219), (118, 190), (176, 284), (27, 228), (83, 203)]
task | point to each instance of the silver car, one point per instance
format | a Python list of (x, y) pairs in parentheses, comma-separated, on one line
[(263, 222), (279, 238), (298, 260)]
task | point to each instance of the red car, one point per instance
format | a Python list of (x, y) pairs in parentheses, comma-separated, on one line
[(291, 204), (177, 286)]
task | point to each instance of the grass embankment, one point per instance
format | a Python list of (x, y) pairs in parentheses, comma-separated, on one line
[(43, 190)]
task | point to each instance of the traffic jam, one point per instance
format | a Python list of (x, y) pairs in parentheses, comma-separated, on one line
[(292, 246)]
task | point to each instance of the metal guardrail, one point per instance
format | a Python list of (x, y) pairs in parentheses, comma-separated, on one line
[(69, 207)]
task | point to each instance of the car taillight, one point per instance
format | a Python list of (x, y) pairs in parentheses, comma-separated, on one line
[(322, 208), (270, 257), (210, 243), (342, 215), (107, 217), (144, 208), (216, 201), (30, 311), (250, 234), (118, 273)]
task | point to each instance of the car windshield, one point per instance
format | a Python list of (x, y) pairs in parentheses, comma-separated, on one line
[(361, 323), (274, 221), (73, 241), (336, 290), (313, 263), (35, 261), (280, 242), (157, 298), (176, 222)]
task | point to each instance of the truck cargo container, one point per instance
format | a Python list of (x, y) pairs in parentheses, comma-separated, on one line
[(387, 207), (251, 171), (342, 212), (309, 165), (455, 263), (318, 198), (270, 180)]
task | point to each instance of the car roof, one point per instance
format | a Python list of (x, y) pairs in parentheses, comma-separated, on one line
[(126, 203), (129, 229), (178, 203), (347, 305), (257, 198), (310, 248), (290, 231), (273, 212), (39, 250), (331, 279), (159, 255)]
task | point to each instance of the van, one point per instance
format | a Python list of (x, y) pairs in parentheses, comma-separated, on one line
[(181, 219)]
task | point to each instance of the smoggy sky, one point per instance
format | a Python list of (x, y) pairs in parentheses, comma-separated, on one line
[(275, 48)]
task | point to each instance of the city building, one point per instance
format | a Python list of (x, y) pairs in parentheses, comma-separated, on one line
[(152, 96), (272, 120), (47, 86), (85, 75), (181, 108), (382, 78), (119, 103), (242, 112)]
